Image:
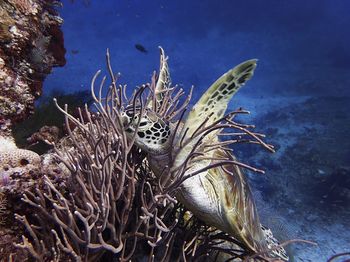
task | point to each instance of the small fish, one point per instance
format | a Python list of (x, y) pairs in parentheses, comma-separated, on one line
[(141, 48)]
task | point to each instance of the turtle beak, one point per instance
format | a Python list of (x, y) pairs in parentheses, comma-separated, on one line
[(125, 121)]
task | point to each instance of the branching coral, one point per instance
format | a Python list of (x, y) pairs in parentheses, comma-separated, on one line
[(112, 205), (112, 199)]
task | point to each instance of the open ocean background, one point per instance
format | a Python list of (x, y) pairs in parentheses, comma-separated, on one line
[(299, 95)]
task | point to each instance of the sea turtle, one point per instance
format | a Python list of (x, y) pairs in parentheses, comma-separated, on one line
[(219, 196)]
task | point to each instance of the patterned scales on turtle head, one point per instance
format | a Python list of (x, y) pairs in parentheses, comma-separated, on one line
[(153, 133), (220, 199)]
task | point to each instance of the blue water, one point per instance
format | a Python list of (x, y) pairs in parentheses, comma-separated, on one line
[(303, 46), (303, 72)]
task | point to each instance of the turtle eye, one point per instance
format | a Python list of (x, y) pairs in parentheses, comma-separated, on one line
[(143, 124), (129, 113)]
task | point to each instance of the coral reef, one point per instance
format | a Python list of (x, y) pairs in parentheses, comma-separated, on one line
[(16, 166), (20, 171), (48, 134), (96, 198), (16, 157), (31, 44), (46, 125)]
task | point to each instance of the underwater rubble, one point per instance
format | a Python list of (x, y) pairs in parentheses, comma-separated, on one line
[(304, 135), (307, 182)]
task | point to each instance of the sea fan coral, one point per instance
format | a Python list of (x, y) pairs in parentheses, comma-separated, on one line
[(112, 206)]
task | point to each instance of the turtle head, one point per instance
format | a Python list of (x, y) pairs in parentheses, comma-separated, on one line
[(152, 132)]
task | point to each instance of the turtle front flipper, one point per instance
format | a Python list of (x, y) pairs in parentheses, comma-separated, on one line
[(212, 106), (214, 101), (163, 82)]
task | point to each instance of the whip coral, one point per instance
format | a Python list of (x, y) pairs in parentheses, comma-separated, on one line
[(112, 206)]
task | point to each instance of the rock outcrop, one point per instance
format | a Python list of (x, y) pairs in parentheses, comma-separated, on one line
[(31, 43)]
